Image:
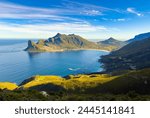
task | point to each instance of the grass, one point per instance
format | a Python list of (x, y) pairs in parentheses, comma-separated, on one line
[(39, 80), (8, 85), (73, 82), (134, 85), (21, 95), (32, 95), (138, 81)]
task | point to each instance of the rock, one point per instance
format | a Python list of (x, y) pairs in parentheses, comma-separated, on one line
[(44, 93), (31, 45)]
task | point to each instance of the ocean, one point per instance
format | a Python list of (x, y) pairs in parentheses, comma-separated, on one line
[(17, 65)]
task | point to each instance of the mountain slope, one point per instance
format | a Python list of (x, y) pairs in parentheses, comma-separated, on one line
[(62, 42), (8, 85), (135, 55), (134, 85), (137, 81), (139, 37), (71, 41), (73, 82)]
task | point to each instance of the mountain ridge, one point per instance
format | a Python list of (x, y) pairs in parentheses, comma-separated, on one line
[(139, 37), (133, 56), (62, 42)]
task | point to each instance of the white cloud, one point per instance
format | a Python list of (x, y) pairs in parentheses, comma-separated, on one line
[(84, 6), (37, 21), (46, 29), (92, 12), (133, 11), (63, 12), (121, 19), (58, 27), (15, 11), (115, 20), (12, 11)]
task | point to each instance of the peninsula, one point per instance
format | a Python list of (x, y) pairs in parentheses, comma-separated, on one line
[(63, 42)]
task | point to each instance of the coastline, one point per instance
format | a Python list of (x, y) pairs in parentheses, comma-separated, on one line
[(63, 50), (89, 49)]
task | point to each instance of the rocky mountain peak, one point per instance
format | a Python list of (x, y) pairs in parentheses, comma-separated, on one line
[(111, 39)]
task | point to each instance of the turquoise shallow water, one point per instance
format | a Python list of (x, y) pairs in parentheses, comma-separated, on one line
[(17, 65)]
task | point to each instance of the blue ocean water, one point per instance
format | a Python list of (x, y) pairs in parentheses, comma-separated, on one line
[(17, 65)]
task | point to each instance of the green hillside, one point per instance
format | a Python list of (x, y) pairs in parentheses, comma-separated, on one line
[(134, 56), (134, 85), (8, 86), (97, 83), (137, 81)]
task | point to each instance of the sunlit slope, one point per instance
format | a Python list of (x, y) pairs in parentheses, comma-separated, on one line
[(71, 83), (138, 81), (8, 85)]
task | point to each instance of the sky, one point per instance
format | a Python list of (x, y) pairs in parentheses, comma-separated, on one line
[(91, 19)]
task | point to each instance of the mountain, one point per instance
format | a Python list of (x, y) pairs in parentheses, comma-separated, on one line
[(140, 37), (70, 41), (133, 56), (112, 42), (62, 42)]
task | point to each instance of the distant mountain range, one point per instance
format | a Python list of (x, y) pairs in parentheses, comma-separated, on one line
[(133, 56), (62, 42)]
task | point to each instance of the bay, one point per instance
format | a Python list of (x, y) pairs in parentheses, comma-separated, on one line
[(17, 65)]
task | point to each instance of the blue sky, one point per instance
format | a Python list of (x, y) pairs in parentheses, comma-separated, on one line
[(92, 19)]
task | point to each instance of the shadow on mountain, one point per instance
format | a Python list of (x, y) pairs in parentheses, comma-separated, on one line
[(134, 56), (48, 88), (137, 81)]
